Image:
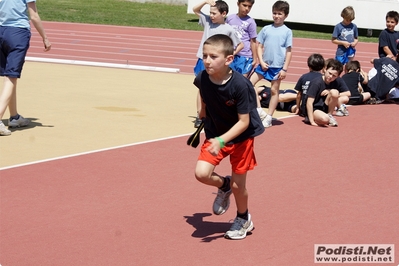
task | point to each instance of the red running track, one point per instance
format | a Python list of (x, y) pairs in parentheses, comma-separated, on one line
[(160, 47)]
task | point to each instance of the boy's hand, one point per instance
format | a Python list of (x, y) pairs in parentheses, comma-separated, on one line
[(210, 2), (47, 45), (282, 74), (264, 66), (325, 93), (214, 148)]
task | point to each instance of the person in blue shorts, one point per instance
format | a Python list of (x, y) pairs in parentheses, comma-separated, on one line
[(214, 23), (345, 35), (14, 43), (245, 27), (274, 54)]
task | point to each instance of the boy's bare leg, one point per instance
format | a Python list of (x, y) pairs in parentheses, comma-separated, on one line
[(240, 192), (204, 173), (321, 118), (332, 100), (275, 89), (8, 96), (286, 97)]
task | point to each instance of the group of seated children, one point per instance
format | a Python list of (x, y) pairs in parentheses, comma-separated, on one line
[(328, 93)]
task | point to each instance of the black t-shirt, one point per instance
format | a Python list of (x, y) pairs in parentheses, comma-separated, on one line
[(390, 39), (352, 80), (303, 85), (386, 78), (318, 85), (225, 102)]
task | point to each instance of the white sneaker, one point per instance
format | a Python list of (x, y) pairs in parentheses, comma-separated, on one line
[(3, 130), (240, 228), (267, 122), (222, 201), (332, 122), (262, 114), (20, 122)]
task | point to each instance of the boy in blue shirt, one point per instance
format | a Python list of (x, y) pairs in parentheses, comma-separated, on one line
[(274, 54), (14, 43), (345, 35)]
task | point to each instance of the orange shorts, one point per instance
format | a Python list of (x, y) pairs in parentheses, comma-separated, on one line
[(242, 156)]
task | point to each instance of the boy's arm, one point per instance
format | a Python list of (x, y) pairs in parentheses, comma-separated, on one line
[(260, 56), (338, 42), (298, 101), (197, 8), (283, 72), (388, 52), (202, 113), (309, 109), (254, 49), (37, 22), (239, 48), (239, 127)]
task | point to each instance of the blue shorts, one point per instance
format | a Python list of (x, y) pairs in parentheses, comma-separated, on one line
[(199, 67), (14, 44), (350, 52), (270, 74), (242, 64)]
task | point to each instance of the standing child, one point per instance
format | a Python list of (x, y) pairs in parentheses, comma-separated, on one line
[(355, 78), (274, 54), (323, 94), (345, 35), (14, 43), (231, 123), (245, 27), (388, 41), (213, 24)]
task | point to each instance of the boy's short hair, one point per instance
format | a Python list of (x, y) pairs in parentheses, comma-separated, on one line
[(353, 65), (334, 65), (348, 13), (316, 62), (281, 6), (222, 6), (393, 14), (249, 1), (223, 41)]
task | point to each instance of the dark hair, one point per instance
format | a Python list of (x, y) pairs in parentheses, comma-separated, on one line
[(353, 65), (282, 6), (223, 41), (316, 62), (393, 14), (222, 6), (249, 1), (334, 65)]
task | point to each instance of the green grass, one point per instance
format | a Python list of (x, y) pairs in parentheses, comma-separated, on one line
[(152, 15)]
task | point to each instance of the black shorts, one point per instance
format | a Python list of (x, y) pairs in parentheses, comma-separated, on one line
[(323, 108), (353, 100)]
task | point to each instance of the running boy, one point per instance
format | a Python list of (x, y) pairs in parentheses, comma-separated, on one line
[(213, 24), (345, 35), (388, 41), (274, 54), (231, 123), (245, 27), (323, 94), (14, 43)]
